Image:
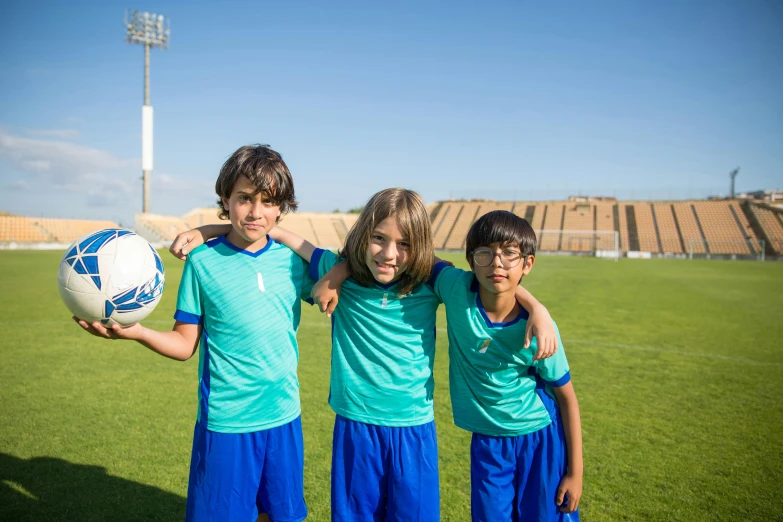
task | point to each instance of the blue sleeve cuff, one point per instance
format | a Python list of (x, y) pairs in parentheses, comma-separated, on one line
[(315, 260), (436, 270), (185, 317), (562, 381)]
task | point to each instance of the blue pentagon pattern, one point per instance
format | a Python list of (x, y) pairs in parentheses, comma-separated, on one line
[(134, 298), (84, 256)]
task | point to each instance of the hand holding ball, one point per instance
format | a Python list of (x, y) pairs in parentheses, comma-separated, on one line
[(111, 276)]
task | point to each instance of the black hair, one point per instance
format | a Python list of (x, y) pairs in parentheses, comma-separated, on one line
[(500, 227)]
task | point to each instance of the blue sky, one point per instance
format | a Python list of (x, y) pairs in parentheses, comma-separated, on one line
[(523, 100)]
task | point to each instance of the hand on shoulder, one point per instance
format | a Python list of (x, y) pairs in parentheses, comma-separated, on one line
[(185, 242)]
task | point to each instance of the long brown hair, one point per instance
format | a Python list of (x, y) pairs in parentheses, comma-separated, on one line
[(412, 218)]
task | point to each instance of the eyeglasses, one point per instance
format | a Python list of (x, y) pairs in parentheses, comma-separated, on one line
[(508, 258)]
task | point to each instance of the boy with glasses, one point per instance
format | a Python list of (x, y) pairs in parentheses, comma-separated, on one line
[(526, 450)]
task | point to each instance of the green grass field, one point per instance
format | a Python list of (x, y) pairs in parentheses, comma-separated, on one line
[(677, 365)]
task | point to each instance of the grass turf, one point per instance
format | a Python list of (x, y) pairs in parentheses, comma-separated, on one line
[(676, 365)]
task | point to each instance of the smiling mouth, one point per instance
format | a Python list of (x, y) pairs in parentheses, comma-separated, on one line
[(384, 267)]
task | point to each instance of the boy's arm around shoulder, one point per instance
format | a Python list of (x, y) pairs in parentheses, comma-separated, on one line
[(539, 324), (445, 278), (180, 343), (301, 246), (326, 292), (571, 483), (187, 241)]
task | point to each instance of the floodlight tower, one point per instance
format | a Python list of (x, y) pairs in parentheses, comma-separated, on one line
[(150, 30), (732, 175)]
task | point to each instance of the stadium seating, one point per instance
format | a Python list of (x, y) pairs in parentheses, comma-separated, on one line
[(667, 228), (444, 222), (578, 217), (604, 216), (202, 216), (164, 227), (772, 226), (21, 229), (466, 217), (324, 230), (492, 205), (553, 220), (538, 216), (645, 227), (622, 223), (69, 230), (722, 227), (47, 230), (689, 227)]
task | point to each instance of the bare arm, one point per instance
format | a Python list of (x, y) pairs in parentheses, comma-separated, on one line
[(186, 241), (180, 343), (302, 247), (571, 483), (326, 291), (539, 324)]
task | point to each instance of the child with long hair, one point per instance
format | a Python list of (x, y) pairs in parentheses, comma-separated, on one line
[(384, 449)]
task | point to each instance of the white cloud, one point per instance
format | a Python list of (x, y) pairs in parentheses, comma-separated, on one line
[(65, 179), (97, 175), (61, 162), (63, 134)]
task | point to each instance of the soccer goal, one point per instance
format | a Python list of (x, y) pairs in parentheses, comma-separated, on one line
[(726, 248), (600, 243)]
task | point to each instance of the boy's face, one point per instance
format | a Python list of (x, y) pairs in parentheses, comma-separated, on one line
[(252, 215), (504, 270), (387, 253)]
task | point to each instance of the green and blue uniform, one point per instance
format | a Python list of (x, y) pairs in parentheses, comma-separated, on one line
[(384, 457), (504, 398), (248, 305)]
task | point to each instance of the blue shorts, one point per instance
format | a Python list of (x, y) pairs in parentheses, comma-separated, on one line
[(382, 473), (236, 476), (516, 478)]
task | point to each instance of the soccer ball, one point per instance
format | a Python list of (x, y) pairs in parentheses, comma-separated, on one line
[(111, 276)]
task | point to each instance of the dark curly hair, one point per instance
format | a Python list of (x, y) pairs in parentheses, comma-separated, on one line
[(264, 168)]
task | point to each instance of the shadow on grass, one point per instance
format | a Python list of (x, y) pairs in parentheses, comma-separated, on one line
[(45, 488)]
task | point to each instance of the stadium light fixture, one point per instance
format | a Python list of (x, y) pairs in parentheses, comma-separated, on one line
[(732, 175), (149, 30)]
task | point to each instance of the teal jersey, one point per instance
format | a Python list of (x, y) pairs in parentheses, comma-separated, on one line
[(249, 307), (383, 351), (496, 388)]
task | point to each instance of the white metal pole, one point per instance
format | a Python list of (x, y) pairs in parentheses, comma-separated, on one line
[(146, 172)]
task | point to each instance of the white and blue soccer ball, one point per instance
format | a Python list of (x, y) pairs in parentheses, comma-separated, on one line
[(111, 276)]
